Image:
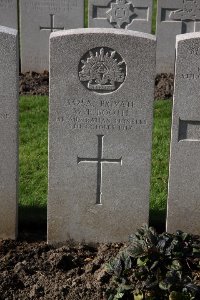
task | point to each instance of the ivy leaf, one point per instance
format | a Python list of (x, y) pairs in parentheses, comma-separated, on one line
[(165, 285), (142, 261), (163, 243), (184, 236), (114, 267), (193, 288), (151, 283), (137, 250), (176, 265), (125, 260), (154, 265), (119, 296), (138, 296), (176, 296), (196, 251)]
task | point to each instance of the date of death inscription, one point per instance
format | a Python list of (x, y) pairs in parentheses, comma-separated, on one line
[(109, 116)]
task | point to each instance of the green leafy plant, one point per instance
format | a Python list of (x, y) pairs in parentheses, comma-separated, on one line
[(156, 267)]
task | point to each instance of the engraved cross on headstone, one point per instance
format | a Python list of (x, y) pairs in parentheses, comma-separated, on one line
[(52, 27), (120, 13), (188, 15), (99, 161)]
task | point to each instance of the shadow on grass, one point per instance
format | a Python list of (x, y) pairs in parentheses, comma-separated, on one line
[(158, 220), (32, 223)]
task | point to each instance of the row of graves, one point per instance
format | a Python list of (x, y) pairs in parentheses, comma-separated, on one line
[(38, 18), (100, 134)]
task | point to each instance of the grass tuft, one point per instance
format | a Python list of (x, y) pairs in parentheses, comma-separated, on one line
[(33, 153)]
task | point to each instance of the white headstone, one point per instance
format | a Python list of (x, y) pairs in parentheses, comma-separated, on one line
[(38, 19), (184, 180), (100, 133), (122, 14), (8, 13), (8, 132), (174, 17)]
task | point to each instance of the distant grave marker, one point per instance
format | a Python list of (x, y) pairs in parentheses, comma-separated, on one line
[(52, 26), (174, 17), (8, 132), (122, 14), (38, 19), (8, 13), (100, 134), (184, 177)]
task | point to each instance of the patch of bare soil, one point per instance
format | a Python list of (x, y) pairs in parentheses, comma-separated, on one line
[(30, 270), (32, 83), (164, 86)]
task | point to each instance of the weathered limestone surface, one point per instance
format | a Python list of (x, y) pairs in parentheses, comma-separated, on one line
[(184, 180), (174, 17), (100, 133), (38, 19), (8, 13), (8, 132), (122, 14)]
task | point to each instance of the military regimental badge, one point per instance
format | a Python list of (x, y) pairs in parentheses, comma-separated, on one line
[(120, 13), (102, 70)]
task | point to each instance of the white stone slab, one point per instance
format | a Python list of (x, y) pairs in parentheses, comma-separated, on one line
[(38, 19), (174, 17), (8, 13), (8, 132), (99, 134), (184, 181), (122, 14)]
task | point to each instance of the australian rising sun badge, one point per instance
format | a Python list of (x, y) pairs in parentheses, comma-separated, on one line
[(102, 70)]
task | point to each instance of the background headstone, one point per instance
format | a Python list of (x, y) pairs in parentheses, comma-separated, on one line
[(8, 132), (100, 134), (174, 17), (8, 13), (122, 14), (38, 19), (184, 180)]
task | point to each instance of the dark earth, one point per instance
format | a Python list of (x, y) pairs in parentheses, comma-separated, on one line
[(32, 83), (31, 269)]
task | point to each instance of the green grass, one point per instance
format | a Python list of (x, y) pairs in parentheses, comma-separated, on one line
[(34, 155), (160, 158), (86, 14), (33, 151), (154, 16)]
